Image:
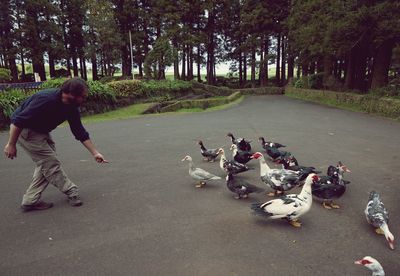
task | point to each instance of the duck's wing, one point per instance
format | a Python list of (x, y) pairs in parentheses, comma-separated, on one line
[(203, 175), (282, 206)]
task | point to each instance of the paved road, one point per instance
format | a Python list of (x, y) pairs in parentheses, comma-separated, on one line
[(143, 216)]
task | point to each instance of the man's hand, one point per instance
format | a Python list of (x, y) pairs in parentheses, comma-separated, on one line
[(10, 150), (100, 158)]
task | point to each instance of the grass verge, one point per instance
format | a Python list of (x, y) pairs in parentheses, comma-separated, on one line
[(137, 109)]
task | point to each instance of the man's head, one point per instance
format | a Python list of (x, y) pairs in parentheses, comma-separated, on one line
[(74, 91)]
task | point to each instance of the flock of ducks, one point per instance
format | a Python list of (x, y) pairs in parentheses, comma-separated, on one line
[(289, 207)]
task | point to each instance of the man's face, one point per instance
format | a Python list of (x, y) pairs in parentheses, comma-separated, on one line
[(74, 100)]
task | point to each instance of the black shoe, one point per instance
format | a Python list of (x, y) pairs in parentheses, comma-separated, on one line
[(38, 206), (75, 201)]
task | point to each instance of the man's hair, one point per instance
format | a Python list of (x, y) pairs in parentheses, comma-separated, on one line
[(75, 86)]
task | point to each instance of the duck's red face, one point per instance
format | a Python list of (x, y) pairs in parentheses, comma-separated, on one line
[(315, 178), (363, 262), (256, 155)]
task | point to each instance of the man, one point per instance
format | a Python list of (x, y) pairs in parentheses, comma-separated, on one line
[(31, 124)]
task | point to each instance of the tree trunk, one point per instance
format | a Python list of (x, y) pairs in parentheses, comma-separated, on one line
[(327, 67), (240, 70), (283, 70), (298, 69), (264, 59), (52, 66), (381, 64), (176, 60), (244, 68), (253, 67), (199, 63), (94, 67), (278, 60), (183, 75)]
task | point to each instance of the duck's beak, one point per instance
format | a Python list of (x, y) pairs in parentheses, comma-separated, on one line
[(359, 262), (391, 244)]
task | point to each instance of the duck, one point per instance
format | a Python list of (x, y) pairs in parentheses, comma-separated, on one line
[(231, 165), (290, 163), (274, 153), (280, 180), (239, 155), (276, 145), (372, 264), (331, 186), (240, 188), (199, 174), (377, 215), (289, 207), (242, 143), (209, 154)]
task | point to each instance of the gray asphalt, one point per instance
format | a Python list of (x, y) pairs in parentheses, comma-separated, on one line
[(143, 216)]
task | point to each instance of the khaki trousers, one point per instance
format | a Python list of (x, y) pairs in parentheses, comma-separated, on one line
[(41, 149)]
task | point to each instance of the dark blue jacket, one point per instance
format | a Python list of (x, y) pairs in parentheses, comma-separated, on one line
[(44, 111)]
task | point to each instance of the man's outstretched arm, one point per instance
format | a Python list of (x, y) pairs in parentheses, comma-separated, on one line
[(92, 149)]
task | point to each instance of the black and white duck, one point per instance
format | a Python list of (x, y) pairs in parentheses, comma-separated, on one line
[(230, 165), (269, 143), (372, 264), (242, 143), (274, 153), (289, 207), (377, 215), (332, 186), (280, 180), (199, 174), (239, 155), (240, 188), (290, 163), (209, 154)]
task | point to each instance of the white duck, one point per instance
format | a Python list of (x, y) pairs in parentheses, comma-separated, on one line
[(371, 264), (377, 215), (280, 180), (289, 207), (198, 173)]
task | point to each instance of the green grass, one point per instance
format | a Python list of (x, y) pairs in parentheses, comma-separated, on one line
[(137, 109), (121, 113)]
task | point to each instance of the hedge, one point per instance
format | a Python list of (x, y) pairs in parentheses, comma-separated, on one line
[(202, 103), (388, 107)]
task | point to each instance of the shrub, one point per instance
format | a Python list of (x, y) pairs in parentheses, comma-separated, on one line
[(298, 84), (5, 75), (162, 88), (100, 92), (126, 88), (386, 91), (53, 83), (61, 73), (315, 81), (9, 100)]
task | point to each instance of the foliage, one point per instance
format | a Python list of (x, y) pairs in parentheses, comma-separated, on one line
[(100, 92), (53, 83), (158, 58), (315, 81), (126, 88), (161, 88), (9, 100), (386, 91), (5, 75)]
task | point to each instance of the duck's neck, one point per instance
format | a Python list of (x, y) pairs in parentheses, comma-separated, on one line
[(191, 165), (222, 160), (378, 270), (202, 147), (234, 151), (306, 191), (264, 168)]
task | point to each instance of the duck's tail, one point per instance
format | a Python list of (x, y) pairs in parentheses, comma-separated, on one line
[(258, 210)]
